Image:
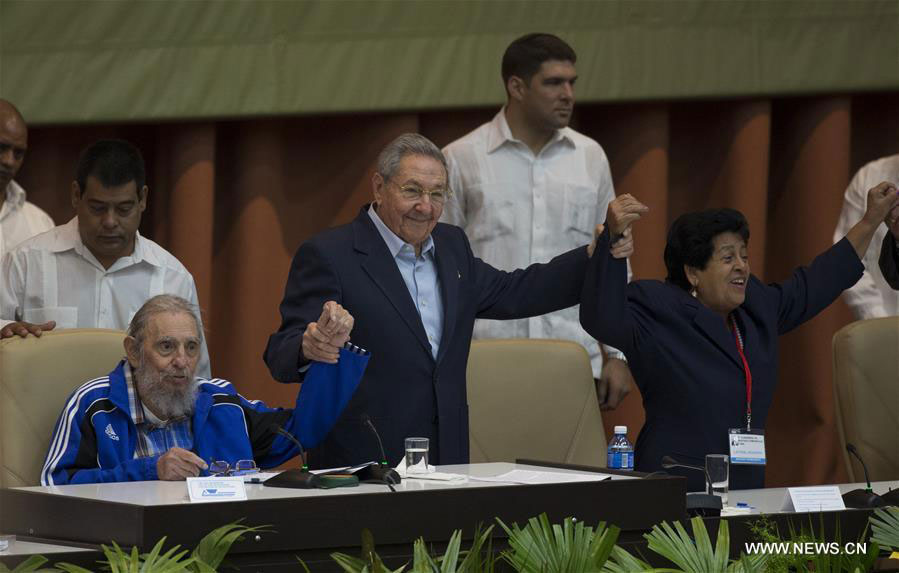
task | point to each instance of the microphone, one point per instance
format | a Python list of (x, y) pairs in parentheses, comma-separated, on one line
[(701, 504), (668, 462), (276, 428), (861, 498), (380, 473), (295, 478)]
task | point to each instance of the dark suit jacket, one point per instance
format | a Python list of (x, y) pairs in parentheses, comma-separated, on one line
[(405, 390), (684, 357), (889, 260)]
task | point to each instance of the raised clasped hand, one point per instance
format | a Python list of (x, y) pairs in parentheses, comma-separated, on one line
[(623, 211), (883, 205), (323, 339)]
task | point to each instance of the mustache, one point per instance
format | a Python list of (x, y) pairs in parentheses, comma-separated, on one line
[(171, 372)]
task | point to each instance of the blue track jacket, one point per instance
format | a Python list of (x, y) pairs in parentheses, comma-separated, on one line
[(95, 437)]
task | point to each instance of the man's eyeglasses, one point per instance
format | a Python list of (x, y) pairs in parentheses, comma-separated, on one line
[(415, 193), (221, 468)]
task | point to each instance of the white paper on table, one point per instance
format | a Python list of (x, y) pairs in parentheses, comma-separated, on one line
[(258, 477), (204, 489), (536, 477), (430, 474), (343, 469), (814, 498)]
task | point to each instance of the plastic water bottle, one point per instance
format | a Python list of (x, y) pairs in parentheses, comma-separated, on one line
[(621, 452)]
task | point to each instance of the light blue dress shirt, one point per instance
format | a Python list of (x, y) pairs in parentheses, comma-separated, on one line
[(420, 276)]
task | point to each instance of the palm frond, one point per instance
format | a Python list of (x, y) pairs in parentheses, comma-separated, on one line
[(694, 554), (885, 528), (33, 563), (621, 561), (569, 547), (212, 549)]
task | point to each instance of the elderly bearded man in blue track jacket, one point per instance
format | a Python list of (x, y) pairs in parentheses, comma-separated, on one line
[(150, 418)]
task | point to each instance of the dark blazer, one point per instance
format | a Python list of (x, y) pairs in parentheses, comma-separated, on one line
[(405, 390), (684, 357), (889, 260)]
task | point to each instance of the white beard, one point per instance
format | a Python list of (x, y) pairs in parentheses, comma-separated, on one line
[(165, 401)]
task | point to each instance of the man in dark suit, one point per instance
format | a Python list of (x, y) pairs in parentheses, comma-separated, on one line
[(410, 289)]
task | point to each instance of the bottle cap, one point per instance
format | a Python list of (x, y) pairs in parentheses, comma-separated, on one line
[(620, 429)]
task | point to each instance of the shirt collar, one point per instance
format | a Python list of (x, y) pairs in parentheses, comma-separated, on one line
[(500, 133), (134, 403), (68, 238), (15, 195), (394, 243), (14, 198)]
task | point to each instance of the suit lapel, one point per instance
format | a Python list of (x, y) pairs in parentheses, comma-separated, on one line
[(713, 328), (380, 266), (450, 276)]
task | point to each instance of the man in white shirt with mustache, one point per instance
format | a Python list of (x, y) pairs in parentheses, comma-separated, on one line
[(527, 187), (97, 270)]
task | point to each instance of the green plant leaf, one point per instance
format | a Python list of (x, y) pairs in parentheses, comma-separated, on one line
[(212, 549), (885, 528), (692, 554), (421, 559), (67, 568), (349, 563), (569, 547), (621, 561), (479, 558), (33, 563)]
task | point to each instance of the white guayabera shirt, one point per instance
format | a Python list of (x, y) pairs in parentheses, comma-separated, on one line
[(19, 219), (54, 276), (871, 297), (518, 209)]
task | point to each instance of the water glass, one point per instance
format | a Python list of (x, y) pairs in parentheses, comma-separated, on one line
[(718, 468), (416, 456)]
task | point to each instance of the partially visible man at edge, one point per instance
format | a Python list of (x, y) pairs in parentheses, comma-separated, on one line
[(414, 289), (527, 187), (872, 296), (97, 270), (151, 418), (19, 219)]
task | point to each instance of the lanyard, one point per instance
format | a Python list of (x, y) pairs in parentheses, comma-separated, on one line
[(739, 340)]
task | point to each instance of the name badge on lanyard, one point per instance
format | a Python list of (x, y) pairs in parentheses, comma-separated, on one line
[(747, 445)]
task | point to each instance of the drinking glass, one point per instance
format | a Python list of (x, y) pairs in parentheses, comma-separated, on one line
[(416, 455), (718, 468)]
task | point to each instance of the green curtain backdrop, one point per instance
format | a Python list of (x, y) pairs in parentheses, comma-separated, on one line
[(68, 61)]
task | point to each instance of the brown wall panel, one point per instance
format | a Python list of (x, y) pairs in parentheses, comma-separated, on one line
[(810, 171)]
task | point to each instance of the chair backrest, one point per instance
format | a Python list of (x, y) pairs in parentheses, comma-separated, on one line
[(533, 399), (866, 394), (37, 375)]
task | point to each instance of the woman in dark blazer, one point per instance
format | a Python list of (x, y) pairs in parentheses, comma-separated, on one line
[(686, 338)]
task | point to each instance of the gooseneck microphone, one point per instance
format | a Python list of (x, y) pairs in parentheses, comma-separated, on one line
[(701, 504), (276, 428), (851, 449), (382, 472), (861, 498), (295, 478), (668, 462)]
